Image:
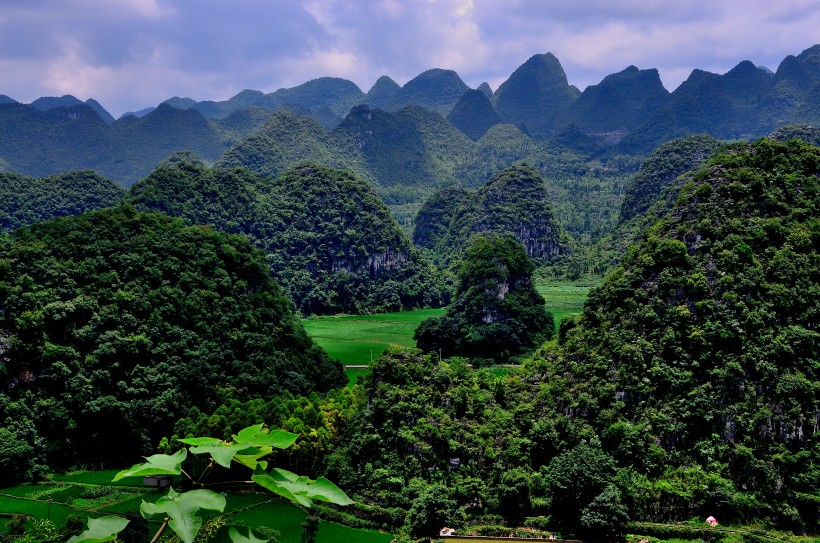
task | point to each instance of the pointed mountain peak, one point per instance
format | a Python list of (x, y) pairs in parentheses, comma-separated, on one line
[(384, 82), (474, 114), (436, 89), (382, 92), (795, 72), (101, 111), (485, 88), (745, 68), (535, 95)]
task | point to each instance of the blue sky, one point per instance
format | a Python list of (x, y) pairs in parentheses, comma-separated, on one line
[(130, 54)]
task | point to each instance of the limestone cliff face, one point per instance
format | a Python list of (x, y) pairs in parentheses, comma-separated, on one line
[(374, 265), (330, 241), (514, 201)]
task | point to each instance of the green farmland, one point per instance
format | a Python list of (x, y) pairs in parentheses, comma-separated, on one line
[(358, 339), (353, 339)]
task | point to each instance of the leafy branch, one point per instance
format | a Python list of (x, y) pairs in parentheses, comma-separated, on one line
[(179, 510)]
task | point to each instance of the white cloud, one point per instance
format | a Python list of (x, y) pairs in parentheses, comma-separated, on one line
[(133, 53)]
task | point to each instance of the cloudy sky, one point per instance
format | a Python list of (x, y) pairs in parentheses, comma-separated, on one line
[(130, 54)]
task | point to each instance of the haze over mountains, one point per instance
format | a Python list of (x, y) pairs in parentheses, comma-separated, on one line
[(627, 112)]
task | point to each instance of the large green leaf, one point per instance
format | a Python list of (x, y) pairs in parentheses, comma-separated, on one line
[(182, 509), (157, 464), (100, 530), (257, 436), (299, 488), (237, 534), (221, 452), (248, 446)]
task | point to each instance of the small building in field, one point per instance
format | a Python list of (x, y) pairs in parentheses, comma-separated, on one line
[(156, 481)]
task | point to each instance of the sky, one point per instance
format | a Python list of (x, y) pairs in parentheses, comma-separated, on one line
[(132, 54)]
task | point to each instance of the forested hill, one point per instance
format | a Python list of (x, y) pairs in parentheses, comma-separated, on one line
[(704, 342), (409, 154), (25, 201), (114, 323), (688, 387), (330, 241), (512, 202)]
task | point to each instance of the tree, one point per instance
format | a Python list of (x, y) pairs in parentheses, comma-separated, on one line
[(496, 313), (578, 485), (432, 510)]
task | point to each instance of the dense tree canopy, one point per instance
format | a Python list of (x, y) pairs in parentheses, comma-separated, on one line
[(512, 202), (706, 337), (496, 312), (25, 200), (687, 388), (114, 323), (330, 241)]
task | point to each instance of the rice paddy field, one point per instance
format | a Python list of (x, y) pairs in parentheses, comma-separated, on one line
[(93, 494), (357, 340)]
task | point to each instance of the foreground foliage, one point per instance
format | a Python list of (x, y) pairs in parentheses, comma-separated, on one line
[(180, 510)]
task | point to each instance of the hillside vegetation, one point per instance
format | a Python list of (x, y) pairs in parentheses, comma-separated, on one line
[(330, 241), (513, 202), (686, 388), (25, 201), (114, 323)]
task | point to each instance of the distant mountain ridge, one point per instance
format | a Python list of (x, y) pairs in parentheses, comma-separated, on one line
[(627, 113)]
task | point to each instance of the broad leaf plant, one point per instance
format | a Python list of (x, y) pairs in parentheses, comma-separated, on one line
[(179, 510)]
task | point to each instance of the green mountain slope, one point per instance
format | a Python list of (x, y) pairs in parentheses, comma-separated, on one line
[(536, 95), (706, 338), (381, 93), (473, 114), (329, 239), (436, 213), (41, 143), (513, 202), (116, 323), (327, 99), (282, 142), (25, 200), (437, 90), (618, 101), (661, 168)]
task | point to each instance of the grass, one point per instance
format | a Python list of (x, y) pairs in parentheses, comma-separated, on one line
[(564, 297), (359, 339), (287, 519), (330, 532), (354, 339), (102, 477), (55, 511)]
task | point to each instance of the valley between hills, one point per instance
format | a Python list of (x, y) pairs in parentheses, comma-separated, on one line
[(585, 314)]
